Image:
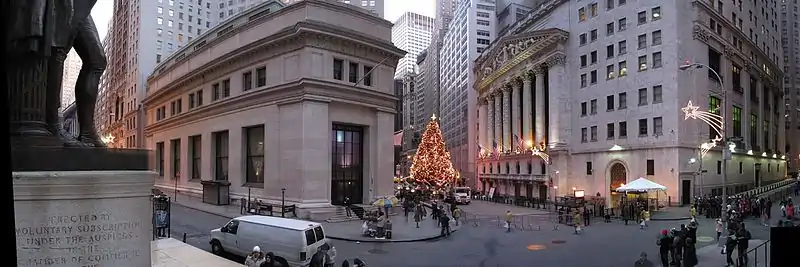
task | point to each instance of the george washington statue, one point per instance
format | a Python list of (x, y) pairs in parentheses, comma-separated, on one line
[(40, 34)]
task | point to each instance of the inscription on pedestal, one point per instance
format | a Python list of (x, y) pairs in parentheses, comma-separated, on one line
[(91, 239)]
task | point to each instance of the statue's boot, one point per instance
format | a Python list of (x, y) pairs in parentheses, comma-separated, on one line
[(68, 140), (90, 139)]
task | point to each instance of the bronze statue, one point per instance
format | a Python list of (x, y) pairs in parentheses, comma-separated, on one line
[(42, 32)]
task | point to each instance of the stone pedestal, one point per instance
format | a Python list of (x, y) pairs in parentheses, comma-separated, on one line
[(83, 218)]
